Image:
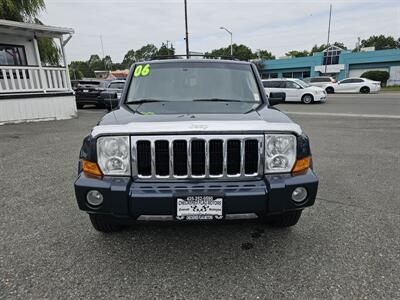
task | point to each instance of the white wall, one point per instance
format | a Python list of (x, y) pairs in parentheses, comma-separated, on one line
[(27, 42), (394, 76), (37, 109)]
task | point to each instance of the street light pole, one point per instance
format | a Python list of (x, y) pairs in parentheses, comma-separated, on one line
[(230, 32), (329, 33), (186, 34)]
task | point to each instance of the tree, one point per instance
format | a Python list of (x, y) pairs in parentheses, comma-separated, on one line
[(107, 62), (322, 47), (381, 76), (129, 59), (146, 52), (296, 53), (264, 54), (316, 49), (165, 51), (381, 42), (49, 52), (95, 62), (340, 45), (80, 69), (240, 52), (21, 10), (26, 11)]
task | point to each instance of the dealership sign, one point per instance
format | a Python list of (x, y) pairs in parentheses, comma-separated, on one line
[(329, 68)]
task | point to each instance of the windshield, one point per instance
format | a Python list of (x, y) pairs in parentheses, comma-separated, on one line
[(190, 81), (301, 83)]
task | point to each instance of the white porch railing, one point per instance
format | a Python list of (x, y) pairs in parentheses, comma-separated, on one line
[(26, 79)]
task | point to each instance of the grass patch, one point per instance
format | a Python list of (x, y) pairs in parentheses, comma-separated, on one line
[(394, 88)]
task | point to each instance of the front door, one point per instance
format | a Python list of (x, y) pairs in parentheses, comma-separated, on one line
[(292, 90)]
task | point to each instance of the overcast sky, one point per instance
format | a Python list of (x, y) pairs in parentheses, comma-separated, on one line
[(278, 26)]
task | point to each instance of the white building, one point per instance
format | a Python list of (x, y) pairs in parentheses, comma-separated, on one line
[(30, 91)]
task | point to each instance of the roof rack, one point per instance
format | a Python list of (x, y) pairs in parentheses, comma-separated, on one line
[(183, 56)]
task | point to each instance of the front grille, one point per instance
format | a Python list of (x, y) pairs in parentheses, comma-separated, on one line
[(211, 156)]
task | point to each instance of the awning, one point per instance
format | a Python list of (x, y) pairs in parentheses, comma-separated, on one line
[(29, 29)]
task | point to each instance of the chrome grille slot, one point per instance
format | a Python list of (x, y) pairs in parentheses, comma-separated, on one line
[(144, 158), (180, 157), (233, 159), (251, 160), (216, 158), (162, 158), (204, 156), (198, 158)]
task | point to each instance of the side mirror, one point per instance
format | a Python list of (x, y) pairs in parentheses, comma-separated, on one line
[(276, 98)]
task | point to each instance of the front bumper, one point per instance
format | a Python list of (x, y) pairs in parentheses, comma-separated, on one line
[(322, 97), (128, 199)]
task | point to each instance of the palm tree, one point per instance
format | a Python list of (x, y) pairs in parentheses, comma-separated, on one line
[(21, 10), (27, 11)]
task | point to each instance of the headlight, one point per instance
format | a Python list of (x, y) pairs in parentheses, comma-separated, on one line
[(113, 155), (280, 153)]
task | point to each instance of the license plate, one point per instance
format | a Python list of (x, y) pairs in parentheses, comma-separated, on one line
[(199, 208), (86, 91)]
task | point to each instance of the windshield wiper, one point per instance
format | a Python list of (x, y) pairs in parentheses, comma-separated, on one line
[(222, 100), (141, 101)]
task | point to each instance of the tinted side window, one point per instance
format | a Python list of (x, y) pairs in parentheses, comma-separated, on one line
[(346, 81), (321, 79), (291, 85), (266, 83), (116, 85), (272, 84), (357, 80)]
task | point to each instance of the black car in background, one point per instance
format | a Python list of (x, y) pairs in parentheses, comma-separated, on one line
[(87, 92), (111, 96)]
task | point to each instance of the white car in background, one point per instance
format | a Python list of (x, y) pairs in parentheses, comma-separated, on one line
[(354, 85), (296, 90), (320, 81)]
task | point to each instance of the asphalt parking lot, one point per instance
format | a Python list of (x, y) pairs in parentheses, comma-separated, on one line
[(346, 246)]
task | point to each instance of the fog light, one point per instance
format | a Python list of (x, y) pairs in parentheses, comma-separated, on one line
[(299, 194), (94, 198)]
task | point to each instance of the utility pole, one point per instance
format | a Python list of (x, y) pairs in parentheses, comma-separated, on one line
[(168, 41), (186, 32), (102, 51), (231, 34), (329, 33)]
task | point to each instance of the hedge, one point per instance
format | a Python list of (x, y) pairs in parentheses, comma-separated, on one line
[(381, 76)]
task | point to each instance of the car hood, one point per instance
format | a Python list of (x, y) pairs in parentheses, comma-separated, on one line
[(194, 117)]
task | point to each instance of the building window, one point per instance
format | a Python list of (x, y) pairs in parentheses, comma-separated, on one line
[(300, 74), (269, 75), (12, 55), (331, 56)]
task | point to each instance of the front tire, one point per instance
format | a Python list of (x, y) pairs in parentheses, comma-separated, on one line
[(307, 99), (102, 223), (286, 219), (364, 90)]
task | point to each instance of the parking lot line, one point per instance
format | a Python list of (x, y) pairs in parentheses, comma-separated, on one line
[(343, 115)]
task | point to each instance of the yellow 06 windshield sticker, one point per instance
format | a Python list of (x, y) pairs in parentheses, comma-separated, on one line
[(142, 70)]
